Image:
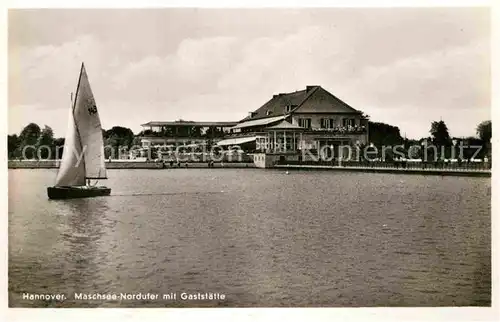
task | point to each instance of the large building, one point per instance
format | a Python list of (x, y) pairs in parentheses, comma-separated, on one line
[(182, 133), (290, 123), (163, 139), (283, 128)]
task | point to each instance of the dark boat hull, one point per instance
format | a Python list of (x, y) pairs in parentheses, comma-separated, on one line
[(77, 192)]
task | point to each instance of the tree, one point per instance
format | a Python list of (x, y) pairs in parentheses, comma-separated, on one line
[(58, 148), (12, 145), (45, 143), (381, 134), (117, 140), (137, 141), (471, 146), (440, 135), (484, 131), (111, 146), (30, 133), (29, 137), (123, 136)]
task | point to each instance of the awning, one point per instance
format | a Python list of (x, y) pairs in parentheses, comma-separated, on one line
[(190, 123), (258, 122), (237, 141), (284, 125)]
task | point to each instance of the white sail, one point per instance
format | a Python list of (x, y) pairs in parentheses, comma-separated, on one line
[(71, 170), (89, 129)]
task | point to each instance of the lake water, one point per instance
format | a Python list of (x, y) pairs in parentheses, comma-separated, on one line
[(260, 237)]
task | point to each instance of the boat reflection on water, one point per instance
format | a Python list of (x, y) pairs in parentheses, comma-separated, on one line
[(81, 254)]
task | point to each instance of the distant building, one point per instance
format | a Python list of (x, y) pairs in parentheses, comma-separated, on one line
[(288, 123), (180, 135)]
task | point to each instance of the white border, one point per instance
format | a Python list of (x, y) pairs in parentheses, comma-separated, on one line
[(383, 314), (3, 158), (245, 3)]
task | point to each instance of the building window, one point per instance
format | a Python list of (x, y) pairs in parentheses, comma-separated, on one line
[(345, 122), (327, 123), (269, 112), (288, 108), (348, 122), (305, 123)]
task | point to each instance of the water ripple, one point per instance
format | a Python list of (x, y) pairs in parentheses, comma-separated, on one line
[(311, 239)]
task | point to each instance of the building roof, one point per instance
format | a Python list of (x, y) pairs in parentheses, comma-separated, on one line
[(258, 122), (314, 98), (189, 123), (285, 125), (237, 141), (277, 104), (324, 102)]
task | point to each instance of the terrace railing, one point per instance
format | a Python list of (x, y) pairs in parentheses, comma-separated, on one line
[(451, 166), (161, 134), (341, 130)]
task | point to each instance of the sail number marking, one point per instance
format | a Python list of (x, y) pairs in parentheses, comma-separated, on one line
[(92, 110)]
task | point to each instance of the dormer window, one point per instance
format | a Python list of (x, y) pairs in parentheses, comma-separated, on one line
[(269, 112), (288, 108)]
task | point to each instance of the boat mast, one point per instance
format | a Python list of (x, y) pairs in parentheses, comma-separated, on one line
[(73, 113)]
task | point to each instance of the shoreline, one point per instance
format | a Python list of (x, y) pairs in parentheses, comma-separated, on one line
[(440, 172), (130, 165), (53, 164)]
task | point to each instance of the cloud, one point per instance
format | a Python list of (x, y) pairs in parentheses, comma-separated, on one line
[(414, 91), (387, 63), (21, 115), (436, 78), (46, 75), (188, 71), (42, 78)]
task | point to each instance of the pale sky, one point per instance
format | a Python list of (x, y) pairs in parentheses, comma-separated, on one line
[(405, 67)]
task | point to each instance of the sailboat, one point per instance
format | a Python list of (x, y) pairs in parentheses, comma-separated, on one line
[(83, 154)]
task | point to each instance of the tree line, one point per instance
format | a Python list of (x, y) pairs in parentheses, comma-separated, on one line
[(380, 134), (45, 145)]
